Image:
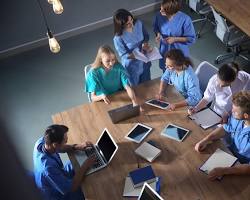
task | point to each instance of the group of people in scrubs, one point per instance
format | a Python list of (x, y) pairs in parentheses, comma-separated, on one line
[(228, 90)]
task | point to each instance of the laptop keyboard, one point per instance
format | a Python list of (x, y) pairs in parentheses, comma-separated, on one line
[(91, 151)]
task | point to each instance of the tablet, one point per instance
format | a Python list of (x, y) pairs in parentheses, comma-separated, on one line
[(158, 103), (175, 132), (138, 132)]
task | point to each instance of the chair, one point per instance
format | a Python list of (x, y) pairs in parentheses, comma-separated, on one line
[(86, 70), (231, 37), (205, 71), (203, 9)]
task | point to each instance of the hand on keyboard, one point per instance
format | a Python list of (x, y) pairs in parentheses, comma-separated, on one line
[(91, 161)]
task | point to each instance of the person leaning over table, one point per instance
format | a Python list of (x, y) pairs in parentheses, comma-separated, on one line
[(221, 86), (107, 76), (130, 34), (173, 28), (55, 180), (236, 134), (179, 72)]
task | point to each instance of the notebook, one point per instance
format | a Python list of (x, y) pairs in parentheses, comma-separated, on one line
[(149, 193), (148, 151), (206, 118), (124, 112), (153, 55), (219, 158), (104, 149)]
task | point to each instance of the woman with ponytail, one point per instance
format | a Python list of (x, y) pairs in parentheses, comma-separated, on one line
[(179, 72)]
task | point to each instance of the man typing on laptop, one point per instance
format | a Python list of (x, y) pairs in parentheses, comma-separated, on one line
[(55, 180)]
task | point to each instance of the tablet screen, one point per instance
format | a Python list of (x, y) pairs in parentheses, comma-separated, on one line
[(138, 133), (156, 102), (174, 132)]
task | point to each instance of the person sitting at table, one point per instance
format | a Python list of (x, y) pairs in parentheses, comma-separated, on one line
[(174, 29), (55, 180), (236, 134), (221, 86), (179, 72), (107, 76), (130, 34)]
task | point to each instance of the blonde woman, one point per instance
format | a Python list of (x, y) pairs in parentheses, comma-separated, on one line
[(107, 76)]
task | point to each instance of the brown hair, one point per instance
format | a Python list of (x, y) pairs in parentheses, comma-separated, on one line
[(120, 19), (98, 60), (228, 72), (171, 7), (178, 58), (242, 99)]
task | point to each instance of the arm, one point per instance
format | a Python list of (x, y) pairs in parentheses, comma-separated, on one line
[(162, 88), (121, 49), (103, 97), (214, 135), (131, 95)]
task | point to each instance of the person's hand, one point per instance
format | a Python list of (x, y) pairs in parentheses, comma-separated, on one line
[(159, 96), (105, 99), (200, 146), (83, 146), (158, 38), (146, 47), (191, 110), (224, 119), (131, 56), (216, 173), (170, 40), (172, 106), (90, 161)]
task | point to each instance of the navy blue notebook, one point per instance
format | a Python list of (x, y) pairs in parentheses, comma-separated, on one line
[(141, 175)]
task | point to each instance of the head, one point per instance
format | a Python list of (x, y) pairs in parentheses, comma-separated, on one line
[(55, 136), (241, 105), (105, 57), (122, 19), (175, 60), (170, 7), (227, 74)]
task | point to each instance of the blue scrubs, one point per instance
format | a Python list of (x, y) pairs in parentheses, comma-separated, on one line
[(187, 83), (52, 178), (238, 139), (180, 25), (138, 71)]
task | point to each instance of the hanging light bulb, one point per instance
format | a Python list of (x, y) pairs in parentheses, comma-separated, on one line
[(57, 6), (53, 44), (50, 1)]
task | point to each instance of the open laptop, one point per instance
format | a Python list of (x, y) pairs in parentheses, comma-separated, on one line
[(104, 150), (148, 193), (124, 112)]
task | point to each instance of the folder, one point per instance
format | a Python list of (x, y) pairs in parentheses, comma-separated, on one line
[(148, 151)]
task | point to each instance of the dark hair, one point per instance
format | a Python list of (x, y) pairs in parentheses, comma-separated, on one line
[(120, 19), (55, 134), (228, 72), (171, 7), (242, 99), (178, 58)]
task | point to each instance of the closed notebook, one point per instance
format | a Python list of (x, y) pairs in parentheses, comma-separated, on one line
[(130, 191), (141, 175), (218, 159), (148, 151)]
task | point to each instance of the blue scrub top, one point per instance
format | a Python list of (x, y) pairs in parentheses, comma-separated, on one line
[(180, 25), (138, 71), (102, 82), (53, 178), (238, 139), (187, 83)]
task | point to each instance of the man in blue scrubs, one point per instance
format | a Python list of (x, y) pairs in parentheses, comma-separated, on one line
[(55, 180), (237, 135)]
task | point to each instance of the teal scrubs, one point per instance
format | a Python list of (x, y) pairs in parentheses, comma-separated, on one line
[(238, 139), (102, 82)]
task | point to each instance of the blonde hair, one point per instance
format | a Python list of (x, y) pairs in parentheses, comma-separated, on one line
[(98, 60)]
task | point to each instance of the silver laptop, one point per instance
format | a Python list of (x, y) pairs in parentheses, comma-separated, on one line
[(124, 112), (148, 193), (104, 150)]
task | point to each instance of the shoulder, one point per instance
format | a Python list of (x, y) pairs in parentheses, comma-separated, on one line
[(242, 75), (39, 144), (117, 38), (183, 16)]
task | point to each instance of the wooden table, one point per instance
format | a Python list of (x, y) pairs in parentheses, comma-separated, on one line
[(237, 11), (177, 165)]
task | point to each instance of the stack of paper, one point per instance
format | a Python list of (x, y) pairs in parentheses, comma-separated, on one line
[(148, 151), (153, 55)]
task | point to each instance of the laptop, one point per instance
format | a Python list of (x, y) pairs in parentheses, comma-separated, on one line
[(104, 150), (148, 193), (124, 112)]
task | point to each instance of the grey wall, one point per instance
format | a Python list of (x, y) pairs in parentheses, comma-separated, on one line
[(22, 26)]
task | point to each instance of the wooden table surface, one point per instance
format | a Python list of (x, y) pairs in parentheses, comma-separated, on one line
[(236, 11), (178, 164)]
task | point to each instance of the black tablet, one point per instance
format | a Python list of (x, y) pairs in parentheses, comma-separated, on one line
[(138, 132), (158, 103)]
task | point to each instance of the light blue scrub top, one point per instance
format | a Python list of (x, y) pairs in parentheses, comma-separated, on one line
[(138, 71), (102, 82), (52, 178), (238, 139), (179, 26), (187, 83)]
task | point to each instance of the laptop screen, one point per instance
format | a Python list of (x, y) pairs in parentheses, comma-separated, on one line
[(149, 194), (107, 146)]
